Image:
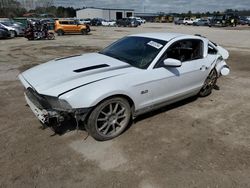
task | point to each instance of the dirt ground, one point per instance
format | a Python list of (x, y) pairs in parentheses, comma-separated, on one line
[(199, 142)]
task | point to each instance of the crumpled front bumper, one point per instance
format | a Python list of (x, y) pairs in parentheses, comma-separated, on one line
[(43, 115), (47, 116)]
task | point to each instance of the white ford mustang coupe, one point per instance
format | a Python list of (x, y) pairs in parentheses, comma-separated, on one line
[(134, 75)]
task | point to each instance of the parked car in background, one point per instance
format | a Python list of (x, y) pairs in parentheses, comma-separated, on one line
[(134, 75), (188, 21), (85, 21), (218, 20), (224, 20), (110, 23), (243, 20), (11, 30), (179, 21), (4, 33), (196, 20), (127, 22), (96, 22), (70, 26), (202, 22), (14, 30), (141, 21)]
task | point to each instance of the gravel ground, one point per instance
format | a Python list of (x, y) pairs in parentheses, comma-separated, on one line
[(198, 142)]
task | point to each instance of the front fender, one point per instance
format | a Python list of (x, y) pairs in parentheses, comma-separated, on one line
[(91, 95)]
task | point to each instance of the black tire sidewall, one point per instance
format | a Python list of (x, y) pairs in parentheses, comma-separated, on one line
[(201, 94)]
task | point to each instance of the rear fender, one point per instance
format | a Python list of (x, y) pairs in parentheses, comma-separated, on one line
[(223, 52), (221, 66)]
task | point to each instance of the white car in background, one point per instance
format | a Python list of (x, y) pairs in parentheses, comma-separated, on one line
[(84, 21), (188, 21), (140, 20), (132, 76), (109, 23)]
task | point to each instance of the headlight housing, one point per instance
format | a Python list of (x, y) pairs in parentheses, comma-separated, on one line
[(58, 104)]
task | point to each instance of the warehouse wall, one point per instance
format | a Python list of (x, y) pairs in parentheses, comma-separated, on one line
[(89, 13), (105, 14)]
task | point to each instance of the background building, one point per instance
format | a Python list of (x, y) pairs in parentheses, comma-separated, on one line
[(107, 14)]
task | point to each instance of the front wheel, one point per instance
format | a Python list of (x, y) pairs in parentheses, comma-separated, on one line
[(12, 34), (109, 119), (209, 84)]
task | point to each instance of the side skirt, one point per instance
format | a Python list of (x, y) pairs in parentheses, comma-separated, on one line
[(163, 104)]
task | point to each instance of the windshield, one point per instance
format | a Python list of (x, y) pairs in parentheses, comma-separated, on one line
[(136, 51), (7, 23)]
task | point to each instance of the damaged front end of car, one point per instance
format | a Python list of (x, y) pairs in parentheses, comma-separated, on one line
[(52, 111)]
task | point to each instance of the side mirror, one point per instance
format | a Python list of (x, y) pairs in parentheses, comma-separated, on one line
[(172, 62)]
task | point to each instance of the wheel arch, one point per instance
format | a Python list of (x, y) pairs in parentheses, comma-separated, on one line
[(129, 99)]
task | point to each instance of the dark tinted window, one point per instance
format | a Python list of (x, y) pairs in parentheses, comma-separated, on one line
[(136, 51), (64, 22), (211, 50), (185, 50)]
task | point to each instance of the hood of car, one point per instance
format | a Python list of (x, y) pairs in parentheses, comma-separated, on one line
[(64, 74)]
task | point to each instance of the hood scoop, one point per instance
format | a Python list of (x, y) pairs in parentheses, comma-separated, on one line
[(91, 68)]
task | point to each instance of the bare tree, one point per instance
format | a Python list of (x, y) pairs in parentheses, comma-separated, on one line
[(47, 3)]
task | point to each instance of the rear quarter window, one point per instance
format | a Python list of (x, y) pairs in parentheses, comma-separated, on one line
[(211, 50)]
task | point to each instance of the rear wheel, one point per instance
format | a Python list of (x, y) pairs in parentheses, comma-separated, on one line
[(60, 32), (209, 84), (51, 36), (109, 119)]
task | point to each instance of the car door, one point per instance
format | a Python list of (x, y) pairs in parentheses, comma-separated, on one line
[(172, 83), (65, 26), (78, 26), (72, 26)]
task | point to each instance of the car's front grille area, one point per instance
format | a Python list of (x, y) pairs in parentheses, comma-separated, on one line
[(38, 100)]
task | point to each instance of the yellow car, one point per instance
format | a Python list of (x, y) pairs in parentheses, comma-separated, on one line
[(70, 26)]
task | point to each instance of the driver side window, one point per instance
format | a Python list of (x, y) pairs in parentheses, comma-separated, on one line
[(184, 50)]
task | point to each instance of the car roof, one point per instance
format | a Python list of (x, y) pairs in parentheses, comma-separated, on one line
[(163, 36)]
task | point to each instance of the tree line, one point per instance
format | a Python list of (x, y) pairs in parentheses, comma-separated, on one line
[(12, 8)]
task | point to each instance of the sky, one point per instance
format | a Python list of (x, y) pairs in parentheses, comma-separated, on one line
[(160, 5)]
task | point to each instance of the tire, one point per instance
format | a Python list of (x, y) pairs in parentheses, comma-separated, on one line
[(51, 36), (109, 119), (209, 84), (84, 32), (60, 32), (12, 34)]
